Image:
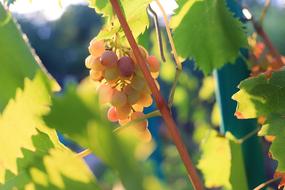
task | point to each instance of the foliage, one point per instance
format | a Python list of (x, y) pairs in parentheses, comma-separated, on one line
[(215, 35), (262, 96), (31, 111)]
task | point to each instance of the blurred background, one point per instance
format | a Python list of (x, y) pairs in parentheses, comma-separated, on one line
[(60, 36)]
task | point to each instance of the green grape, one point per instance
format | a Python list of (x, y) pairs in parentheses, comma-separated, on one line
[(140, 125), (132, 94), (109, 58), (138, 83), (145, 100), (95, 75), (96, 48), (96, 65), (105, 93), (111, 73), (123, 112), (118, 98)]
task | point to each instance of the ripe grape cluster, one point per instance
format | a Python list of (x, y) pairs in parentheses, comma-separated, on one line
[(122, 84)]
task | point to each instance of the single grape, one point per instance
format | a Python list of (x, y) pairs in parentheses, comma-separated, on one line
[(126, 66), (137, 107), (139, 125), (96, 48), (154, 65), (109, 58), (138, 83), (123, 112), (145, 100), (88, 62), (124, 121), (96, 65), (118, 98), (112, 114), (132, 94), (95, 75), (105, 93), (111, 73)]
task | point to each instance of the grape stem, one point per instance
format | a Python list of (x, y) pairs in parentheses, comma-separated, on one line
[(152, 114), (160, 102), (260, 31), (247, 136), (84, 153), (264, 11)]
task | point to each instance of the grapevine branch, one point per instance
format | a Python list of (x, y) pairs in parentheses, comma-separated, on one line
[(161, 104), (260, 31), (263, 185)]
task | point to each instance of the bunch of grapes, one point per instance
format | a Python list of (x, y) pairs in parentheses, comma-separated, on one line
[(122, 84)]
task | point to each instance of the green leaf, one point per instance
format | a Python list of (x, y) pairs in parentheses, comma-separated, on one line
[(260, 96), (218, 165), (17, 61), (88, 126), (137, 18), (207, 31), (31, 155), (275, 126)]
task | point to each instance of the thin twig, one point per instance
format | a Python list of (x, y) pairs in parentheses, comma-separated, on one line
[(155, 113), (247, 136), (260, 31), (261, 186), (158, 32), (84, 153), (264, 11), (160, 102)]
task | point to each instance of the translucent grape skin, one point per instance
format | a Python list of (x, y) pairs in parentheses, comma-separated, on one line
[(96, 48), (123, 112), (112, 114), (95, 75), (96, 64), (154, 65), (118, 98), (109, 58), (141, 125), (132, 94), (105, 93), (111, 73), (126, 66)]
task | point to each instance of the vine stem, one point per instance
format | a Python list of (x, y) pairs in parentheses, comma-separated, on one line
[(261, 186), (260, 31), (160, 102)]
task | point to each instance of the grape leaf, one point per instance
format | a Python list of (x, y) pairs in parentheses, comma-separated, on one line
[(218, 166), (88, 126), (207, 31), (262, 96), (31, 154), (136, 18), (16, 58)]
